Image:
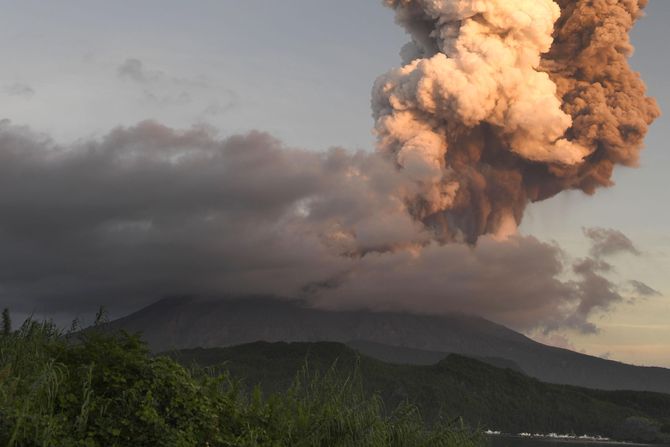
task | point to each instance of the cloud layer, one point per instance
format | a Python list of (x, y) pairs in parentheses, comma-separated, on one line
[(498, 103), (148, 211)]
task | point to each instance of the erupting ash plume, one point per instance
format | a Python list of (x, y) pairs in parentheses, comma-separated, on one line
[(504, 102), (499, 103)]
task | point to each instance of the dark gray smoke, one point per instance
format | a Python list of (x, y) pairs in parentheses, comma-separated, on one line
[(150, 211), (499, 103)]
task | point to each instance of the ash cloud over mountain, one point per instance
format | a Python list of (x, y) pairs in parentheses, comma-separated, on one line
[(487, 114), (149, 211)]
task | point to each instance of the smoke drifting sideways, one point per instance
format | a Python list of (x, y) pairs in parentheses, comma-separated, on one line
[(150, 211), (504, 102), (499, 103)]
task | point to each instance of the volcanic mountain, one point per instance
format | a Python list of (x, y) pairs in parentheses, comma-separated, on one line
[(180, 323)]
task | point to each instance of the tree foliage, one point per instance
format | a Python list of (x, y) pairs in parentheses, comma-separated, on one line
[(6, 322), (96, 389), (456, 387)]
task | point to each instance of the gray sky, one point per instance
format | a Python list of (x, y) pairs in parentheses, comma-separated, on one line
[(302, 70)]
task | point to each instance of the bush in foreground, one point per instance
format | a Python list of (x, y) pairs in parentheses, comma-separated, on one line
[(106, 390)]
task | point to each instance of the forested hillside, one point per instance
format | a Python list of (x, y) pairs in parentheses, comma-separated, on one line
[(184, 323), (95, 390), (484, 395)]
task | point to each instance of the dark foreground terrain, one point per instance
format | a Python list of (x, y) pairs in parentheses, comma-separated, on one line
[(483, 395), (101, 390), (105, 389)]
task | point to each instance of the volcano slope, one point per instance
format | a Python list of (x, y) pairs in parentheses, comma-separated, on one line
[(180, 323)]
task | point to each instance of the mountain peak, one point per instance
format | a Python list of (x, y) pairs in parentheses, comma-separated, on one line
[(189, 322)]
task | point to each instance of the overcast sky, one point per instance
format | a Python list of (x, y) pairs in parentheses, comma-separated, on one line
[(302, 70)]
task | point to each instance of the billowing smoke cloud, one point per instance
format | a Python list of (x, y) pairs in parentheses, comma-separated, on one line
[(504, 102), (149, 211), (499, 103)]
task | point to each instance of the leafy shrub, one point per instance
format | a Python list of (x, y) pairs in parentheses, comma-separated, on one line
[(98, 389)]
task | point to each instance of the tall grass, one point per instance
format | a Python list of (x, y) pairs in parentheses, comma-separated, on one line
[(98, 389)]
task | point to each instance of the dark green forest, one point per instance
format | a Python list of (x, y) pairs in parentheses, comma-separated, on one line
[(457, 387), (94, 389)]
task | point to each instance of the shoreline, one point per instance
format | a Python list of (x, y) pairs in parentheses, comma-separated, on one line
[(567, 439)]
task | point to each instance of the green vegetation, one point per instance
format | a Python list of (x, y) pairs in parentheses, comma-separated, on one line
[(483, 395), (100, 389), (96, 389), (6, 322)]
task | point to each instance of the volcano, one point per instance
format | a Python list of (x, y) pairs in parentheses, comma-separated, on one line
[(184, 322)]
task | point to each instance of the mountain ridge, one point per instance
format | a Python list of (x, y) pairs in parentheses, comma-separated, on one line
[(187, 322), (481, 394)]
